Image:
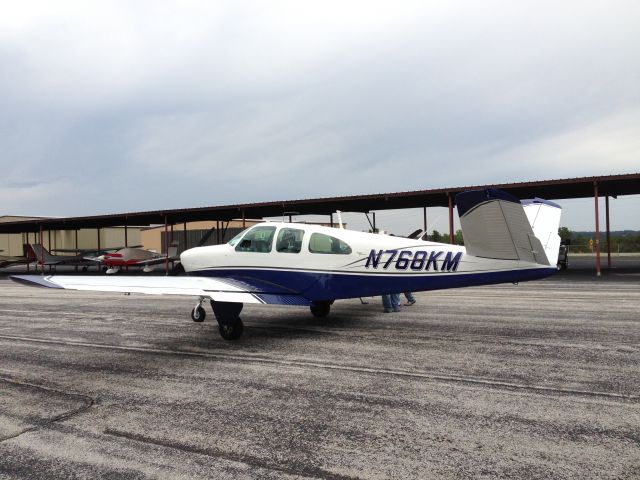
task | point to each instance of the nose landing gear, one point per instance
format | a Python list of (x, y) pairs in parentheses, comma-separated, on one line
[(198, 313)]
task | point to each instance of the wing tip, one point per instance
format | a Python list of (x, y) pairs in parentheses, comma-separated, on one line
[(34, 281)]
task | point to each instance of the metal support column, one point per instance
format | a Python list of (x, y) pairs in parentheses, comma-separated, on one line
[(171, 243), (224, 230), (41, 249), (331, 219), (244, 222), (375, 228), (451, 241), (49, 247), (595, 195), (26, 251), (76, 267), (608, 232), (126, 240), (184, 246), (166, 247)]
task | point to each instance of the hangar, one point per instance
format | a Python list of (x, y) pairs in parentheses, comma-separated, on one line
[(558, 189)]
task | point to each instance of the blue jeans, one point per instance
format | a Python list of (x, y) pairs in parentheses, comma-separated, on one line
[(391, 302), (409, 297)]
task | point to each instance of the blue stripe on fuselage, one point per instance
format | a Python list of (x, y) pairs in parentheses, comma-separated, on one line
[(322, 285)]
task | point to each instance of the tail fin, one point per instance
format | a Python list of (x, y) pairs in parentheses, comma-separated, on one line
[(494, 225), (544, 217), (38, 252)]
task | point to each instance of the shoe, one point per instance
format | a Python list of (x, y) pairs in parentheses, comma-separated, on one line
[(396, 309), (410, 302), (387, 310)]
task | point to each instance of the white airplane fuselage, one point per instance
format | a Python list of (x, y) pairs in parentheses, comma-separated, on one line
[(371, 264)]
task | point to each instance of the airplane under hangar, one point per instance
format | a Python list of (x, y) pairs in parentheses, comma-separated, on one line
[(185, 227)]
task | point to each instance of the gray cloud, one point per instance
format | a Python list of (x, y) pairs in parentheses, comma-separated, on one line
[(138, 105)]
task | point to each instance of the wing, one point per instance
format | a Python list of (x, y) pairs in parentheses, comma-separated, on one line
[(219, 290), (8, 261), (152, 261)]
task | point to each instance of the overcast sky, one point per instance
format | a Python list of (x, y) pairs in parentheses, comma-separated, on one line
[(139, 105)]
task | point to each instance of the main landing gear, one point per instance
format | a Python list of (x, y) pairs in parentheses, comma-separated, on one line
[(227, 314), (321, 309)]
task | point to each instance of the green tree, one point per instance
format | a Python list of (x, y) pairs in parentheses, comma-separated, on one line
[(458, 239), (436, 237), (565, 233)]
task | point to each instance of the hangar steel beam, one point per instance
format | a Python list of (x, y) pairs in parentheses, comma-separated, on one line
[(49, 247), (595, 195), (41, 250), (451, 240), (166, 247), (76, 267), (608, 232), (184, 247)]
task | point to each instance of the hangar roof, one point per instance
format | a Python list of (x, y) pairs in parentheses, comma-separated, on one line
[(611, 185)]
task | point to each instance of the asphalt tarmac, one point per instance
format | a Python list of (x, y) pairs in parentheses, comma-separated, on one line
[(537, 380)]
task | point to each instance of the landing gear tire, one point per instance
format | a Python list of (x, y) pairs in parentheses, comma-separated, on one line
[(177, 270), (231, 330), (198, 314), (320, 309), (228, 315)]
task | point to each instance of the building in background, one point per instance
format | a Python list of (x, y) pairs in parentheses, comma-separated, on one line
[(89, 238)]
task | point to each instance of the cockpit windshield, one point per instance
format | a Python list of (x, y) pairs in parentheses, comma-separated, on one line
[(258, 239), (234, 241)]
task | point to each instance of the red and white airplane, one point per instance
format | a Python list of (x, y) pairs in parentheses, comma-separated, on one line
[(134, 257), (308, 265)]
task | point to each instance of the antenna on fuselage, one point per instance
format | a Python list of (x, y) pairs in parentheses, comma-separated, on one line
[(340, 219), (290, 214)]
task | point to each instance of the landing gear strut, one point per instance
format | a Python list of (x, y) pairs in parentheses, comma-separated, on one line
[(228, 316)]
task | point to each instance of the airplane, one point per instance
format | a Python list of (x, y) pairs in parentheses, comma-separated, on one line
[(134, 256), (506, 241), (91, 251), (45, 258), (7, 261)]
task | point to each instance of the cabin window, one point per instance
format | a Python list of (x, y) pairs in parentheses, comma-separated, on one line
[(321, 243), (258, 239), (289, 240)]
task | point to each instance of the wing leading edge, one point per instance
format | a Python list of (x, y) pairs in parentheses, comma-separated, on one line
[(216, 289)]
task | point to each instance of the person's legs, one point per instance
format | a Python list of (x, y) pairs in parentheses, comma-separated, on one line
[(410, 298), (386, 303), (395, 302)]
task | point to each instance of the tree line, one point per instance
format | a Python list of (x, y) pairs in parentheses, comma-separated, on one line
[(626, 241)]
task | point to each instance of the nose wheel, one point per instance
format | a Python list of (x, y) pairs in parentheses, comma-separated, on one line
[(198, 313)]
